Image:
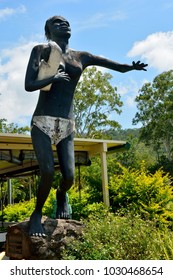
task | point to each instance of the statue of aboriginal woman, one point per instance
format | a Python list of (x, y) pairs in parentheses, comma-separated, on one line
[(53, 120)]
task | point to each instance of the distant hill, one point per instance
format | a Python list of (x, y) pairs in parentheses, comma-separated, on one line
[(122, 134)]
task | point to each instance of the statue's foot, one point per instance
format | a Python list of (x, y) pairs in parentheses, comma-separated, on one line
[(35, 226), (63, 207)]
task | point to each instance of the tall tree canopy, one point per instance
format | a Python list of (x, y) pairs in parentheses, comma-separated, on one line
[(155, 112), (96, 102), (12, 128)]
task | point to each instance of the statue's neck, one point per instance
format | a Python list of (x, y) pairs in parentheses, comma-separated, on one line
[(63, 43)]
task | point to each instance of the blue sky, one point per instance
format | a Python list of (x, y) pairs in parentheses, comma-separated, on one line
[(121, 30)]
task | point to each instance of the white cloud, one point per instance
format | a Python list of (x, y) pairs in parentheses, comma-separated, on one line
[(129, 91), (156, 49), (122, 89), (16, 105), (6, 12), (100, 20)]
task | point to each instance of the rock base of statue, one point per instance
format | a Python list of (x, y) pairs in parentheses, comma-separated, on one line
[(19, 245)]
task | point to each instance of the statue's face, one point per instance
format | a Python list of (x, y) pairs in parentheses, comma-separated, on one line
[(59, 27)]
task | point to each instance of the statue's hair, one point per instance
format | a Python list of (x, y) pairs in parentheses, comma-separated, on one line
[(48, 21)]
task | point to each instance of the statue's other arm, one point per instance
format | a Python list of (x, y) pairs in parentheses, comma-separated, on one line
[(31, 81)]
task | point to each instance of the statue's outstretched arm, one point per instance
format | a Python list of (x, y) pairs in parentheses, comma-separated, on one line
[(90, 59)]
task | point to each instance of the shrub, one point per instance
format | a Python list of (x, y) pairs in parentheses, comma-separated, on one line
[(20, 211), (81, 204), (110, 237), (81, 207), (90, 180), (148, 195)]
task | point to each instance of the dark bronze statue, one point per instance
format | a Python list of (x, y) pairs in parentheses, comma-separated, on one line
[(53, 120)]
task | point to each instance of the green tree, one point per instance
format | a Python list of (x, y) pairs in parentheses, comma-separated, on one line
[(138, 152), (95, 103), (155, 112), (12, 127)]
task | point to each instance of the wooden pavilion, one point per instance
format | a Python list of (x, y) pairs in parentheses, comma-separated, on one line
[(17, 157)]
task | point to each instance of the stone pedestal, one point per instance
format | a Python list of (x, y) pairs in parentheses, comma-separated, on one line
[(19, 245)]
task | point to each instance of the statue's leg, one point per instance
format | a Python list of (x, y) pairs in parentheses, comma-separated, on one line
[(43, 150), (65, 150)]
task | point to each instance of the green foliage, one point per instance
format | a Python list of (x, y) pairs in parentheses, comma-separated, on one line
[(87, 191), (20, 211), (91, 180), (78, 201), (50, 205), (82, 203), (163, 163), (136, 153), (110, 237), (155, 112), (95, 99), (23, 189), (148, 195), (123, 134), (12, 128)]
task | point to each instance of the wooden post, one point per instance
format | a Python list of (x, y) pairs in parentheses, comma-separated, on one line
[(9, 192), (104, 175)]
